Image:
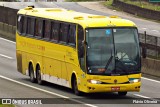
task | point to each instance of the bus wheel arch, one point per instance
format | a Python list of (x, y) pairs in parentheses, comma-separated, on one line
[(31, 72), (38, 74), (75, 85)]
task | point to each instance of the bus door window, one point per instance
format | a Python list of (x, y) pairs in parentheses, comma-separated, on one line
[(39, 28), (47, 29), (55, 31), (81, 47)]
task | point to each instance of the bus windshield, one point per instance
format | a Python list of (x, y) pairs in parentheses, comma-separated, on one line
[(113, 51)]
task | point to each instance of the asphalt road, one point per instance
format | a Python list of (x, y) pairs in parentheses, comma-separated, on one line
[(152, 28), (15, 85)]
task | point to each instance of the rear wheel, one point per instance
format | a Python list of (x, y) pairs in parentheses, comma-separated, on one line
[(32, 78), (39, 79), (75, 87), (122, 93)]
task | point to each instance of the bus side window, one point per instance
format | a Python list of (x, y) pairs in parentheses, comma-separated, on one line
[(72, 35), (64, 32), (47, 29), (39, 28), (24, 28), (20, 19), (30, 26), (55, 31)]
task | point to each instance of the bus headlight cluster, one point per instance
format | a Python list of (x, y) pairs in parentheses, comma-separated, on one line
[(94, 81), (132, 80)]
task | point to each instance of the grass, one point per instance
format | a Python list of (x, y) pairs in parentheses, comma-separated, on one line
[(143, 4), (154, 57), (78, 0), (109, 5), (6, 105)]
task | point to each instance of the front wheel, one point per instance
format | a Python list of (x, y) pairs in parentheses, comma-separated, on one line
[(122, 93), (75, 87)]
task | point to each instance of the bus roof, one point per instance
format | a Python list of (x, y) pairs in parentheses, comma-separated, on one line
[(84, 19)]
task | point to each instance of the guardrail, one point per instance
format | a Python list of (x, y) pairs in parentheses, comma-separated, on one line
[(8, 15), (150, 45), (147, 13)]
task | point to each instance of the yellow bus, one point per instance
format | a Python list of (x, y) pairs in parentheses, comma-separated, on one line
[(85, 52)]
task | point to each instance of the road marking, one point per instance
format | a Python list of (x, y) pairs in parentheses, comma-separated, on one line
[(7, 40), (155, 30), (150, 79), (144, 28), (141, 96), (59, 95), (5, 56)]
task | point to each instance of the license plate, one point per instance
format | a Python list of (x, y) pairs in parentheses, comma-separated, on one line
[(115, 88)]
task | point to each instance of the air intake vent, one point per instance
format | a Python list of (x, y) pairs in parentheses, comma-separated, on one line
[(28, 8), (114, 17), (35, 11), (54, 10), (96, 16), (79, 18)]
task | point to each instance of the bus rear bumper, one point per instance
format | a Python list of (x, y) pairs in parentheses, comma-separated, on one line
[(92, 88)]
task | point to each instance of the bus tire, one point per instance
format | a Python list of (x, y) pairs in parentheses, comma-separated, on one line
[(38, 75), (31, 72), (122, 93), (75, 87)]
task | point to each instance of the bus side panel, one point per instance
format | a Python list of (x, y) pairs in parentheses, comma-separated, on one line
[(47, 67), (24, 63), (52, 63), (21, 55), (19, 61), (72, 65)]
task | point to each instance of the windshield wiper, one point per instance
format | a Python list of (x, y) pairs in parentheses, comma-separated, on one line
[(109, 61)]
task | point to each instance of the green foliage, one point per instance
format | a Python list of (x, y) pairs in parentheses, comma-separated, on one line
[(79, 0), (108, 3), (6, 105), (143, 4)]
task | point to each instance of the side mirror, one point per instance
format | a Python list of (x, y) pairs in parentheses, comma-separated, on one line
[(84, 43), (81, 49), (81, 52)]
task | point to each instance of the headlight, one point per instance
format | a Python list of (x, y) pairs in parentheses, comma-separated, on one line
[(94, 81), (134, 80)]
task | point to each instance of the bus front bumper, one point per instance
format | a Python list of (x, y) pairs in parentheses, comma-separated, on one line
[(92, 88)]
